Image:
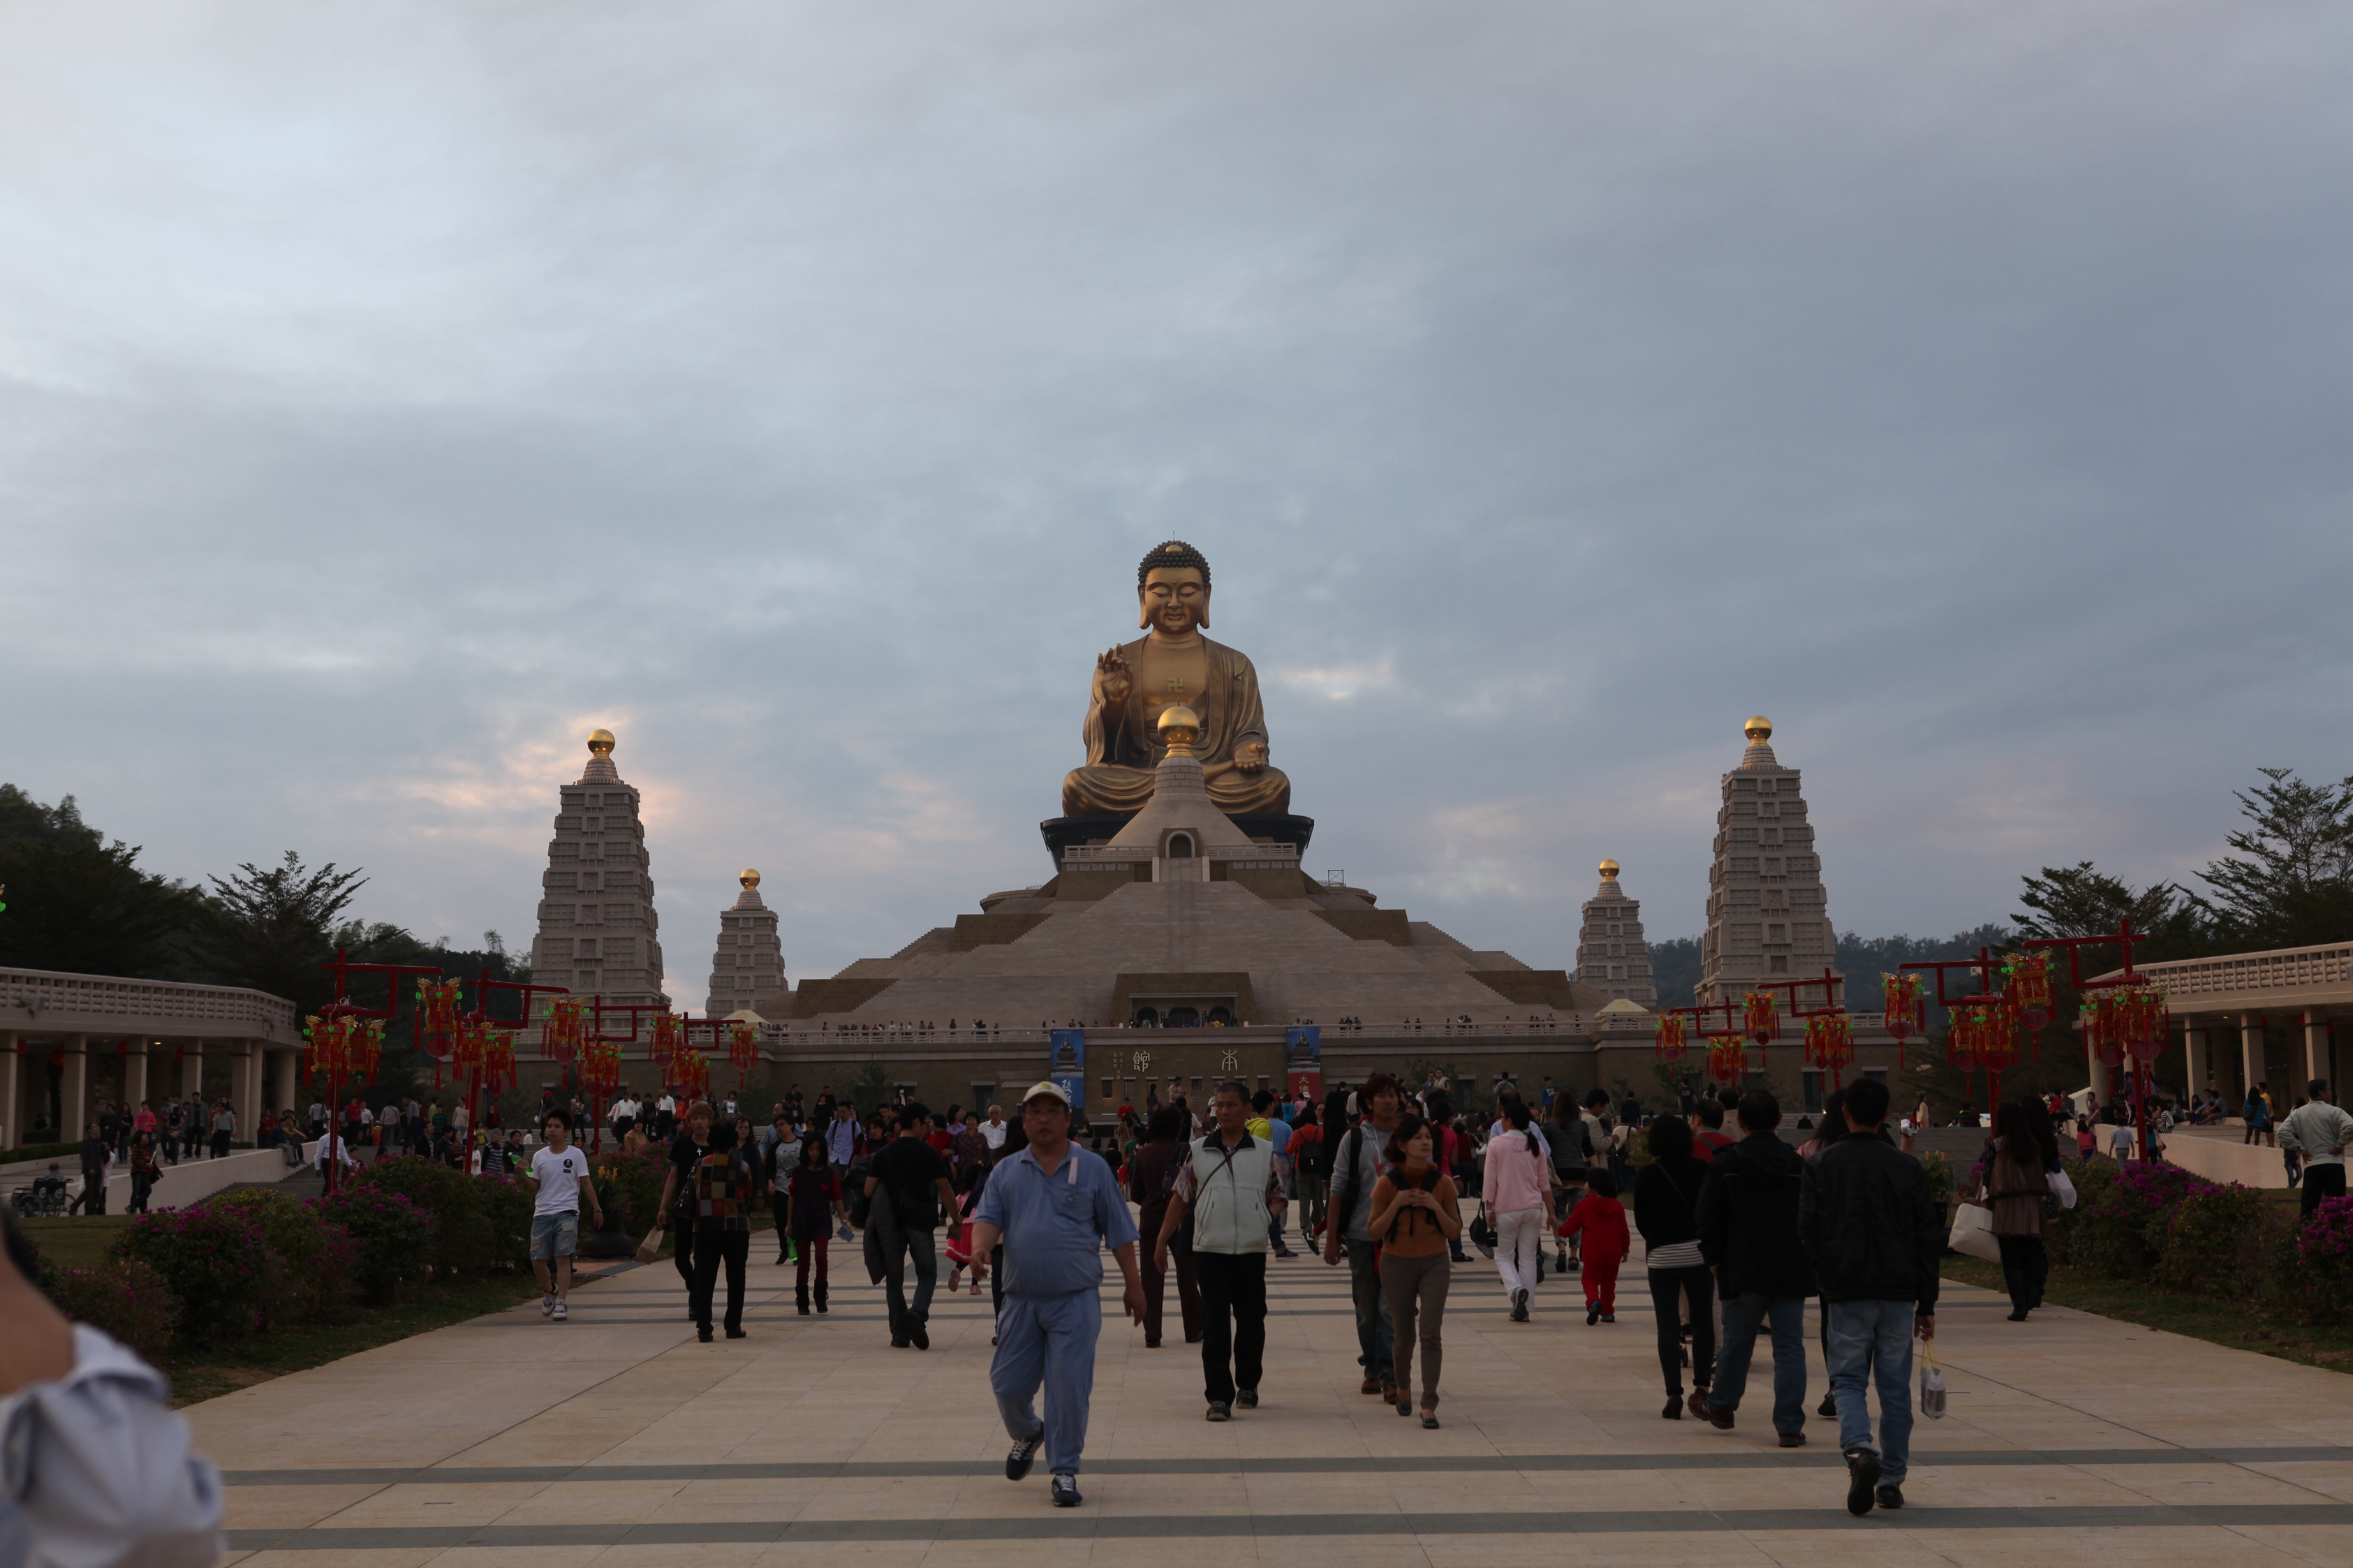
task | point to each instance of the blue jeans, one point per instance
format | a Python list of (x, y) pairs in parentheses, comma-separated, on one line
[(1873, 1339), (1743, 1315), (1048, 1340), (1376, 1332)]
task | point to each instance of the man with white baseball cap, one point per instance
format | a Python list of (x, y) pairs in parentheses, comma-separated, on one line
[(1055, 1207)]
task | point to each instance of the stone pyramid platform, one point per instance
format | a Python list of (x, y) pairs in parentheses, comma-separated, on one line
[(1180, 917)]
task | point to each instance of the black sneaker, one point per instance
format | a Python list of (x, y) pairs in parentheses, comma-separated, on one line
[(1862, 1478), (1827, 1408), (917, 1332), (1247, 1398), (1066, 1491), (1220, 1411), (1891, 1497), (1520, 1305), (1016, 1463)]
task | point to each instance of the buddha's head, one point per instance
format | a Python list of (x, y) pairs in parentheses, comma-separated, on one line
[(1172, 590)]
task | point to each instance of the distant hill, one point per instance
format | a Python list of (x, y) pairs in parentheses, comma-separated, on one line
[(1674, 964)]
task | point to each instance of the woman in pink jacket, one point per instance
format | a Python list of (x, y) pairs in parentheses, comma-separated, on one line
[(1516, 1193)]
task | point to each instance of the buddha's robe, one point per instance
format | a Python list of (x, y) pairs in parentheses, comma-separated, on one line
[(1214, 681)]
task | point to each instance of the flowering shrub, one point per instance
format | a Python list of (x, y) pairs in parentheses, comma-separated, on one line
[(2318, 1276), (2121, 1231), (214, 1260), (316, 1261), (505, 1205), (393, 1238), (461, 1232), (630, 1185), (2215, 1242), (124, 1299)]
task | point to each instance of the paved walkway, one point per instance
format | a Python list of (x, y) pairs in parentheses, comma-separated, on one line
[(616, 1437)]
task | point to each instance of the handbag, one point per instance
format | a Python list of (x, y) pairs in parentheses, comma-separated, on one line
[(1932, 1383), (1973, 1233), (1482, 1235)]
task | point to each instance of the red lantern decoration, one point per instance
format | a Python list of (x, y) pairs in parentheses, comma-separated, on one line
[(669, 1038), (438, 1010), (1829, 1045), (1905, 1010), (691, 1068), (1761, 1017), (2027, 985), (565, 1030), (1727, 1059), (1672, 1043), (743, 1048)]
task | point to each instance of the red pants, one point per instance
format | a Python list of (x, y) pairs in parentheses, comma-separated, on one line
[(1600, 1279), (812, 1249)]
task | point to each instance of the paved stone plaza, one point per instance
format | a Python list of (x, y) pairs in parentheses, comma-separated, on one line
[(616, 1437)]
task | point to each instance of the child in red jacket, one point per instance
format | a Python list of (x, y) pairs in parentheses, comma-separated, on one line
[(1600, 1218)]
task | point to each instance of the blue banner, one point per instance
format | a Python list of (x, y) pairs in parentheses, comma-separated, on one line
[(1303, 1045), (1066, 1064)]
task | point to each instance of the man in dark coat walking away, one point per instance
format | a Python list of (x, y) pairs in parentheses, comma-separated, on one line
[(1748, 1236), (1875, 1235)]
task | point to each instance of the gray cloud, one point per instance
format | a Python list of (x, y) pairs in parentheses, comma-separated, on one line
[(389, 394)]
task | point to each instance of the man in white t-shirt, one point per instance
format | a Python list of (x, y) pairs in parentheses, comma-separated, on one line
[(559, 1174), (994, 1131)]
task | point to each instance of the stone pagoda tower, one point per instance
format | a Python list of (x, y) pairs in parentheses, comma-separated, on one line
[(596, 921), (1765, 915), (750, 962), (1612, 955)]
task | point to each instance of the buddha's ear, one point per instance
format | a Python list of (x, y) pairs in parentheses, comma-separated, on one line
[(1204, 621), (1142, 608)]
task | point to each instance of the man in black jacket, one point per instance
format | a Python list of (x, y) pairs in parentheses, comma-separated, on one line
[(1874, 1235), (1749, 1235)]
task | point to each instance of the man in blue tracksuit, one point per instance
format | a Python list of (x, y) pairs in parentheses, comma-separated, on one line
[(1055, 1207)]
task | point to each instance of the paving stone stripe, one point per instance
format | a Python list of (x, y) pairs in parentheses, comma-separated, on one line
[(1826, 1458), (1179, 1527)]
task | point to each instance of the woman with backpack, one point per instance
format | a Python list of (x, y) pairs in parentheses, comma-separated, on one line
[(2018, 1191), (723, 1229), (812, 1196), (1516, 1191), (1310, 1175), (1416, 1213), (1152, 1182), (1666, 1211)]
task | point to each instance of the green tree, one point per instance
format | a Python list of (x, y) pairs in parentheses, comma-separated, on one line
[(2291, 883), (2083, 900), (272, 929), (81, 905), (86, 907)]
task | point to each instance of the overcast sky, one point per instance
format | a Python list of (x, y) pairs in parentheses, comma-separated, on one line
[(390, 394)]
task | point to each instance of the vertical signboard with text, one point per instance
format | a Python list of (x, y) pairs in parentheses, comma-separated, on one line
[(1302, 1060), (1066, 1064)]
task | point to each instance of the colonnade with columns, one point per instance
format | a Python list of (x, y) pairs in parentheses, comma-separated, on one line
[(261, 1077), (2207, 1041)]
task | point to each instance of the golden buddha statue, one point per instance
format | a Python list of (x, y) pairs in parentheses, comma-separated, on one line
[(1173, 666)]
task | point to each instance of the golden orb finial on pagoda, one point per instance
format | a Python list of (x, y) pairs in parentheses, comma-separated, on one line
[(750, 878), (1758, 728), (600, 743), (1609, 871), (1180, 728)]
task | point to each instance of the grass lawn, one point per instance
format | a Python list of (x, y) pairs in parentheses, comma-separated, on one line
[(77, 1241), (81, 1240), (208, 1373), (2242, 1325)]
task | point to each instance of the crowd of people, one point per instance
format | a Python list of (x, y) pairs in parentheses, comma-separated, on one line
[(1394, 1183)]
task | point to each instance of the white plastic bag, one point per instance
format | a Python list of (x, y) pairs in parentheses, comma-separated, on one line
[(1973, 1233), (1932, 1383), (2062, 1187)]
